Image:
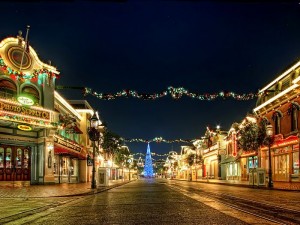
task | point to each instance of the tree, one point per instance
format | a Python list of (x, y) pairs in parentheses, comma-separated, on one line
[(121, 155), (251, 135), (111, 142), (190, 159)]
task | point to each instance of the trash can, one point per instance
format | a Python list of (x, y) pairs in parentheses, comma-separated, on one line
[(261, 177), (103, 175)]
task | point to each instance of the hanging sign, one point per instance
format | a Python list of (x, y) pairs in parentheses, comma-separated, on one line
[(24, 127), (24, 100)]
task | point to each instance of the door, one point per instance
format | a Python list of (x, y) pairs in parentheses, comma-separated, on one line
[(14, 163)]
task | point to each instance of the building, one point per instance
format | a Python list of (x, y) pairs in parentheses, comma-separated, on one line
[(278, 104), (27, 117)]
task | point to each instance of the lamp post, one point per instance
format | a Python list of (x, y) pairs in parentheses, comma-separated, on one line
[(269, 132), (94, 135)]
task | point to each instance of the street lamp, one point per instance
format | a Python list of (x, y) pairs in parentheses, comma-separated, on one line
[(269, 132), (94, 135)]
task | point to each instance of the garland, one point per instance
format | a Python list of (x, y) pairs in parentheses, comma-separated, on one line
[(35, 74), (176, 93), (158, 140)]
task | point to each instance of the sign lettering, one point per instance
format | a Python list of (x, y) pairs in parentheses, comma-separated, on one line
[(22, 110)]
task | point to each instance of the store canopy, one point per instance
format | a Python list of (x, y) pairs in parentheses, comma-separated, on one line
[(59, 150)]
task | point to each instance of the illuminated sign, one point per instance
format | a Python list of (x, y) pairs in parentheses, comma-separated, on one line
[(24, 127), (67, 143), (25, 100), (25, 111)]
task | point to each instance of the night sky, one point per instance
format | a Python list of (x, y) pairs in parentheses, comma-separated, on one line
[(147, 46)]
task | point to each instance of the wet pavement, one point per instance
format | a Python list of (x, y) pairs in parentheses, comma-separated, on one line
[(25, 190), (146, 201)]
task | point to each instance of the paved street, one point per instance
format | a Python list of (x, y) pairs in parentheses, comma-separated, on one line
[(138, 202), (146, 201)]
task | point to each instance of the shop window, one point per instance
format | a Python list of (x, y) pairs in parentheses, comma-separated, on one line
[(252, 162), (26, 158), (281, 167), (1, 157), (7, 89), (18, 162), (8, 158), (295, 163)]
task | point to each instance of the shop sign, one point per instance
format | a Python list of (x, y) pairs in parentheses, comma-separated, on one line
[(24, 100), (24, 127), (23, 110), (222, 152), (66, 143)]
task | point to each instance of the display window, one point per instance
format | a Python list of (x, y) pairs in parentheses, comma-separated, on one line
[(14, 163)]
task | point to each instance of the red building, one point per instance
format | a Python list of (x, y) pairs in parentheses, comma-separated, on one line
[(279, 104)]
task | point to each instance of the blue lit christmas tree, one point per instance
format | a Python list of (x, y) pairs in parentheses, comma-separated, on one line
[(148, 168)]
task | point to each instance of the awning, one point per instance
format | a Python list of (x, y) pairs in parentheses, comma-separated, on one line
[(60, 150), (280, 142), (77, 130), (74, 129)]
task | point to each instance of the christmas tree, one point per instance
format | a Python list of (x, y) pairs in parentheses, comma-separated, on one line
[(148, 169)]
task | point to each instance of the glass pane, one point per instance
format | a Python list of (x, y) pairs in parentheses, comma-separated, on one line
[(26, 158), (1, 157), (8, 158), (18, 162), (296, 163)]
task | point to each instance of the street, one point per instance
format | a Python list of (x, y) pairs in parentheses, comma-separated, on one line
[(146, 201)]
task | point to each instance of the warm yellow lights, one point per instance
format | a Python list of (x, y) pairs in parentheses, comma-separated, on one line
[(24, 127), (276, 97), (7, 42), (281, 76), (64, 103)]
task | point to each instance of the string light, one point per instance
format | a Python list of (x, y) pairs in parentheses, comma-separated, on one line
[(159, 140), (175, 93)]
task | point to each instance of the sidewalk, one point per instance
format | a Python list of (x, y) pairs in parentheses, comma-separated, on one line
[(25, 190), (240, 184)]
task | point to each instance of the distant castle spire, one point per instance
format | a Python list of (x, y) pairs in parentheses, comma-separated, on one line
[(148, 169)]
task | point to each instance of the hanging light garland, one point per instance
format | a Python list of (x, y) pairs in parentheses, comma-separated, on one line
[(175, 93), (152, 153), (159, 140)]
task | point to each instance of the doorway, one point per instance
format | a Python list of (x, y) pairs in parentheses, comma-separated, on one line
[(14, 163)]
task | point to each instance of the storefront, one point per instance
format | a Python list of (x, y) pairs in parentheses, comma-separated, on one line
[(232, 168), (15, 163), (67, 155), (211, 162), (284, 159)]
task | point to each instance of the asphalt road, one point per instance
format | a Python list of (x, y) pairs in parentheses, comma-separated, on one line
[(138, 202)]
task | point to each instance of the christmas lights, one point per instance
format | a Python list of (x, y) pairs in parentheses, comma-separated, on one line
[(159, 140), (175, 93), (36, 74)]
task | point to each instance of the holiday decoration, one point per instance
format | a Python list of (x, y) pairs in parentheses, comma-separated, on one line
[(176, 93), (148, 169), (158, 140), (36, 74)]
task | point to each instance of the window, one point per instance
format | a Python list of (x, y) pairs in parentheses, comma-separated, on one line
[(7, 89), (32, 92), (276, 118), (294, 118), (1, 157), (295, 163)]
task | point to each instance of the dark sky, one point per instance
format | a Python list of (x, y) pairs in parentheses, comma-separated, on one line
[(203, 46)]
